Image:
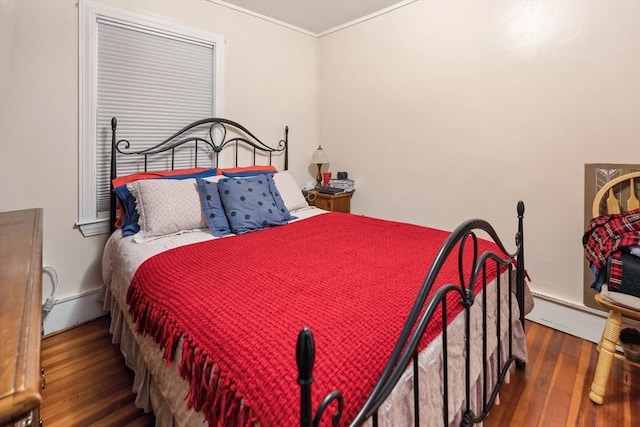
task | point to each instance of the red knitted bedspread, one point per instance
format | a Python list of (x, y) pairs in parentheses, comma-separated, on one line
[(240, 302)]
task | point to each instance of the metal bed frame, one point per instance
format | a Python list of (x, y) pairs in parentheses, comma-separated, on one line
[(213, 135), (405, 351), (218, 133)]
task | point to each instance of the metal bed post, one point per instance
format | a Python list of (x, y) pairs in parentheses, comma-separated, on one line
[(305, 358), (112, 176), (520, 271)]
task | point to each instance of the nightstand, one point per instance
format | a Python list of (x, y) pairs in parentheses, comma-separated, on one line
[(340, 202)]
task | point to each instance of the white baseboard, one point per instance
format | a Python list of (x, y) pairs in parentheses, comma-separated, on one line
[(74, 310), (577, 320)]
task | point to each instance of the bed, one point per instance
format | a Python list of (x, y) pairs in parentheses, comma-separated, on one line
[(288, 314)]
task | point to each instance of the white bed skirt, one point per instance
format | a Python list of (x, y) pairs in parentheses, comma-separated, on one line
[(158, 387)]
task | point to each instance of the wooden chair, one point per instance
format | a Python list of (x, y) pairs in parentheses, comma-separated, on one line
[(611, 334)]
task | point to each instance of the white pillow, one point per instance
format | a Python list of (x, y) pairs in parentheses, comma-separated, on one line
[(167, 207), (289, 191), (214, 178)]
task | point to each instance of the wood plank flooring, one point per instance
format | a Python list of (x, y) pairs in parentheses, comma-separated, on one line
[(88, 384), (553, 390)]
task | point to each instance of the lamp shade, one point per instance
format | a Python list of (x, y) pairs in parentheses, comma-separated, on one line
[(319, 156)]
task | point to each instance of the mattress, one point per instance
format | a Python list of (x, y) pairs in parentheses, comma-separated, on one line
[(161, 388)]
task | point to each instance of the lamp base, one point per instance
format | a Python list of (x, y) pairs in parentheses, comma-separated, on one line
[(319, 175)]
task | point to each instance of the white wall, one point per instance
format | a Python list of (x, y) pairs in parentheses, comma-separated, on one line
[(428, 107), (447, 110), (271, 81)]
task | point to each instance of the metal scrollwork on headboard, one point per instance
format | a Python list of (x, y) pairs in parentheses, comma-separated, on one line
[(216, 134)]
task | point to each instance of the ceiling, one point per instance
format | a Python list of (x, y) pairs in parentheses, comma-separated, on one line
[(314, 16)]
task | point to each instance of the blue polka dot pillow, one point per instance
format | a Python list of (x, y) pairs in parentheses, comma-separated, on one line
[(252, 203), (212, 207)]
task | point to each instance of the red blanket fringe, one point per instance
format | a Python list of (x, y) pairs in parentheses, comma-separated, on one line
[(209, 391)]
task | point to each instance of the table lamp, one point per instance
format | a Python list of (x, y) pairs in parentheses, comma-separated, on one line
[(319, 157)]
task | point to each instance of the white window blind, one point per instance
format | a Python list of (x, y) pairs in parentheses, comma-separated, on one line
[(154, 85), (155, 78)]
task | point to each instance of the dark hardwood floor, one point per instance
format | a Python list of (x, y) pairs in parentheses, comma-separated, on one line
[(553, 390), (88, 384)]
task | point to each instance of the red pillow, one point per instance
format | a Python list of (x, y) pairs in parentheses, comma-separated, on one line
[(255, 168), (122, 180)]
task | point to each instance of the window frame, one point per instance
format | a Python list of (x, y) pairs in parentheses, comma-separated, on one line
[(89, 222)]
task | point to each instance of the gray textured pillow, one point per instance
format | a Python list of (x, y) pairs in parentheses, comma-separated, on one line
[(167, 207), (289, 190)]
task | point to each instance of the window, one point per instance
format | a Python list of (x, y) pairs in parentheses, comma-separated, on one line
[(153, 76)]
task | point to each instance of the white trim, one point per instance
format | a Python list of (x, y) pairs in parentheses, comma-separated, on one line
[(577, 320), (93, 228), (574, 319), (263, 17), (90, 11), (366, 17), (86, 90), (311, 33), (74, 310)]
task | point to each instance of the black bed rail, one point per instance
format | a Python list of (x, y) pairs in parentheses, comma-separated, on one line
[(215, 135), (405, 350)]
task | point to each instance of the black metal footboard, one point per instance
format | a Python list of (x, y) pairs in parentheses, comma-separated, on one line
[(406, 349)]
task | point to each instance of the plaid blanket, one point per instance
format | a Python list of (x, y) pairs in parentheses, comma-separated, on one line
[(605, 237)]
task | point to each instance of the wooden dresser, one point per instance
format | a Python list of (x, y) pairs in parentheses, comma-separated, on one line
[(20, 316)]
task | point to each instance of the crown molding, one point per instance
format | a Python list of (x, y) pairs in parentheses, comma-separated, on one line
[(307, 32)]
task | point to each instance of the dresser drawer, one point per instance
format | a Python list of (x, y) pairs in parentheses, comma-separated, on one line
[(31, 420)]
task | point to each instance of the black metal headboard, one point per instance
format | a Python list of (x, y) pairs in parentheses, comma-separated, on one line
[(218, 134)]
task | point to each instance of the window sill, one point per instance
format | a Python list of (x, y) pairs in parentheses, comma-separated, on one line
[(93, 228)]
